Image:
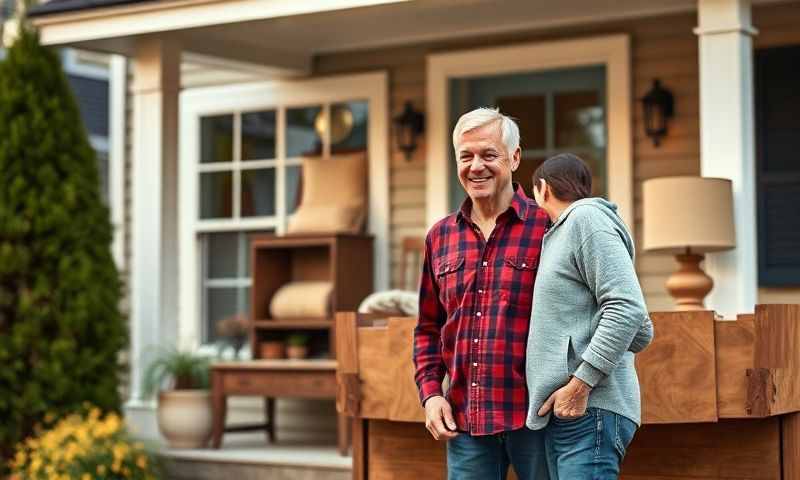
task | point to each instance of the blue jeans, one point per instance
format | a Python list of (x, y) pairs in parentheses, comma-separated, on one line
[(588, 448), (487, 457)]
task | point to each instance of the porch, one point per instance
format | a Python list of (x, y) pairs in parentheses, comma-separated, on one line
[(195, 59)]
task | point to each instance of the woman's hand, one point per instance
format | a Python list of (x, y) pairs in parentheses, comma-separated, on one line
[(569, 401)]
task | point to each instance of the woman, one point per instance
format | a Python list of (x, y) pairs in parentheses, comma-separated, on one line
[(588, 319)]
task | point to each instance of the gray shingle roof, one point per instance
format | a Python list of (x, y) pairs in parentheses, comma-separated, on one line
[(62, 6)]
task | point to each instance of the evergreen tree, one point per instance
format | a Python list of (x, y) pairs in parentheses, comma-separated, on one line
[(61, 329)]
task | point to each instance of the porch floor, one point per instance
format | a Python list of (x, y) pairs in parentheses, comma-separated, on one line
[(248, 456)]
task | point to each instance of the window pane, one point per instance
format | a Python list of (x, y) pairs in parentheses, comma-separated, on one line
[(216, 194), (258, 135), (302, 131), (216, 139), (258, 192), (530, 111), (579, 120), (220, 303), (222, 250), (349, 127), (292, 188)]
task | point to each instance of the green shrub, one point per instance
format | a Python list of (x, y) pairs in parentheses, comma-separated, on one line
[(61, 329)]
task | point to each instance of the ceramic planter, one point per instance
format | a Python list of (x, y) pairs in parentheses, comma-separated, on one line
[(272, 350), (185, 418), (297, 352)]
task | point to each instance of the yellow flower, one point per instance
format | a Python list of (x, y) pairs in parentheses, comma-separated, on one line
[(141, 462), (86, 476), (101, 469), (20, 458)]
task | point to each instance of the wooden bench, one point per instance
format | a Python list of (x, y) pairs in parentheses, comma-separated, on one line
[(271, 379)]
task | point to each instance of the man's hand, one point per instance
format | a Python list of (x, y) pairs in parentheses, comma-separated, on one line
[(569, 401), (439, 418)]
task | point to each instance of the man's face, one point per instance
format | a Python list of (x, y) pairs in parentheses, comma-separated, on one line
[(484, 164)]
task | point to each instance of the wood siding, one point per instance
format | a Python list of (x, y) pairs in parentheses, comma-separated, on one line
[(663, 47)]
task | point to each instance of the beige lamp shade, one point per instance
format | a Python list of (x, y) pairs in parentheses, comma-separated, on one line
[(688, 212)]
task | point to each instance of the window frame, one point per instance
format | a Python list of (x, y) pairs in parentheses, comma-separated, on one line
[(613, 51), (278, 95)]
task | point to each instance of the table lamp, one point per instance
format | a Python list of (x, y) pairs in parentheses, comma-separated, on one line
[(688, 216)]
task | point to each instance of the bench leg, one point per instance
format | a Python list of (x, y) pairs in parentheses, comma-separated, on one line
[(219, 409), (269, 413)]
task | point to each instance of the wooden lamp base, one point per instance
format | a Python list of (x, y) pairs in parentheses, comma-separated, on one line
[(689, 285)]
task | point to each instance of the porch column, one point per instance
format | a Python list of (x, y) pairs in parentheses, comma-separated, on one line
[(154, 229), (727, 143)]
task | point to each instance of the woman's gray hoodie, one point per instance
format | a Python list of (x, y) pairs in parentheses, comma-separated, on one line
[(589, 315)]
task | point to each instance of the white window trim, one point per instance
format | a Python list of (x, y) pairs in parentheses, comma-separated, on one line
[(613, 51), (195, 103), (73, 66)]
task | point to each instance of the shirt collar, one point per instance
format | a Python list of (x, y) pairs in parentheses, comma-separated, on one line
[(519, 204)]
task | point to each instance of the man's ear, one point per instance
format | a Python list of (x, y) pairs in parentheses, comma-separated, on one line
[(515, 159)]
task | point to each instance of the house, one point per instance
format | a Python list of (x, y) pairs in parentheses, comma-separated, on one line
[(210, 80)]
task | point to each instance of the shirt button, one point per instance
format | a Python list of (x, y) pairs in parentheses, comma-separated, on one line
[(485, 264), (479, 314), (474, 384), (474, 364), (480, 292), (476, 340), (524, 265)]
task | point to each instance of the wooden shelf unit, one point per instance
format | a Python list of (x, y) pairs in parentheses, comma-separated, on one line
[(346, 260)]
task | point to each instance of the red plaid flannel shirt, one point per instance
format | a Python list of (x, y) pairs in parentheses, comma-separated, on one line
[(474, 310)]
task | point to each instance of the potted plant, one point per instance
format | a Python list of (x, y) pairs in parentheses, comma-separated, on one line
[(233, 331), (184, 406), (297, 346), (272, 347)]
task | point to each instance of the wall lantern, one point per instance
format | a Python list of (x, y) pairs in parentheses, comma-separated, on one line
[(659, 106), (409, 125)]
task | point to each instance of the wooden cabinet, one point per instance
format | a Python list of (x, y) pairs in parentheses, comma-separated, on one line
[(344, 260)]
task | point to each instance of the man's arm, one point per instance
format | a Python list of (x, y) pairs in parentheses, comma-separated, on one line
[(430, 369)]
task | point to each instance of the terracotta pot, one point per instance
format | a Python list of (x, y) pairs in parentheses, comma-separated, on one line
[(296, 352), (185, 418), (272, 349)]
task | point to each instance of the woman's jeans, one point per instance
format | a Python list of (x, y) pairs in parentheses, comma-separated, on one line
[(588, 448), (487, 457)]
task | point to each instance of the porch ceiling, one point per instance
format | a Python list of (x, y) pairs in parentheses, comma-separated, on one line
[(287, 41)]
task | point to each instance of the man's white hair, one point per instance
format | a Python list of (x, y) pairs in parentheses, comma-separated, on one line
[(484, 116)]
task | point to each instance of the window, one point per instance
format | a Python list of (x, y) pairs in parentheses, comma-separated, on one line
[(778, 166), (248, 181), (561, 110)]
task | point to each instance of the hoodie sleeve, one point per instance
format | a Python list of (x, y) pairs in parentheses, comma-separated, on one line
[(605, 265)]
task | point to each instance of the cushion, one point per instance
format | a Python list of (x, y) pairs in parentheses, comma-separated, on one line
[(302, 300), (338, 180), (326, 219), (334, 195), (400, 303)]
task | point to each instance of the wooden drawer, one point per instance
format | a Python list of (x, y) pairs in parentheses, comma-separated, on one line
[(280, 383)]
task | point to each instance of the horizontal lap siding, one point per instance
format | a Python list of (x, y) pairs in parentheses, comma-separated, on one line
[(663, 47)]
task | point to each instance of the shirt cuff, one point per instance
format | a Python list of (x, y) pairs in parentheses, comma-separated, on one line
[(589, 374), (428, 389)]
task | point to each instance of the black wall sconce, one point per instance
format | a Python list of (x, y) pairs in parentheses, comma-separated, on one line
[(659, 106), (410, 124)]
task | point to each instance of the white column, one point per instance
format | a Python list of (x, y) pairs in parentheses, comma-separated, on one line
[(727, 143), (118, 86), (154, 273)]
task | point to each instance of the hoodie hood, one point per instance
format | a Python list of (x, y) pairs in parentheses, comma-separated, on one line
[(604, 214)]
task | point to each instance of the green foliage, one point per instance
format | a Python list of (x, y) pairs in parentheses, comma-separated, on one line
[(61, 330), (186, 371), (298, 340)]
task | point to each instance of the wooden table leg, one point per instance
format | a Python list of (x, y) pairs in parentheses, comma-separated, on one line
[(269, 413), (343, 429), (219, 408)]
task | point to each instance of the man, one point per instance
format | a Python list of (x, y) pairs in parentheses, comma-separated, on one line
[(475, 304)]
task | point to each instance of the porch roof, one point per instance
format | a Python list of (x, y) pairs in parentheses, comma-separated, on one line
[(60, 6)]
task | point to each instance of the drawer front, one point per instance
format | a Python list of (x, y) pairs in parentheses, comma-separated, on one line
[(281, 384)]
